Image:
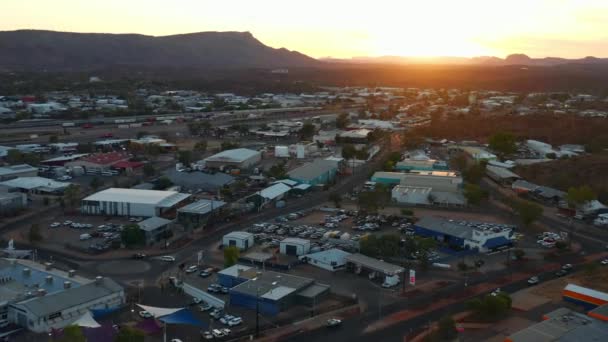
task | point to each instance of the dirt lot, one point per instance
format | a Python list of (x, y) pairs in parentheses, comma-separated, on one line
[(598, 280)]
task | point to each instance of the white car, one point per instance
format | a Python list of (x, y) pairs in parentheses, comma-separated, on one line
[(207, 335), (167, 258), (67, 223), (217, 333), (533, 281), (145, 314), (55, 225), (191, 269), (333, 322), (604, 262), (235, 321), (176, 340)]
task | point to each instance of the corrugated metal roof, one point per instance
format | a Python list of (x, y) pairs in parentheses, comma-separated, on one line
[(275, 191), (295, 241), (501, 172), (201, 207), (278, 292), (131, 196), (236, 155), (586, 291), (239, 235), (153, 223), (234, 270), (8, 170), (310, 171), (30, 183), (374, 264)]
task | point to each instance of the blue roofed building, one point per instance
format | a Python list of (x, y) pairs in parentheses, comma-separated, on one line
[(317, 172)]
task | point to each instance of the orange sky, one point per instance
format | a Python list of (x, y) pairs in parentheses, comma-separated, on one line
[(345, 28)]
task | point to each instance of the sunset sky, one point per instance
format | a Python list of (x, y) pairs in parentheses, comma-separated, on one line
[(344, 28)]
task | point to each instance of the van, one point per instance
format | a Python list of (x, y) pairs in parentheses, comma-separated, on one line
[(85, 237)]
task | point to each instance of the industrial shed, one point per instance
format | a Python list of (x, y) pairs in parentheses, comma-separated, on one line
[(317, 172), (501, 175), (332, 259), (360, 262), (197, 214), (241, 158), (241, 240), (235, 275), (132, 202), (294, 246)]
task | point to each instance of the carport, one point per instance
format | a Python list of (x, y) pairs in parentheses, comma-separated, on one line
[(360, 261)]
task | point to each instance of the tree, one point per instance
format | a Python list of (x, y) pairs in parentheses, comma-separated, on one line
[(228, 145), (184, 157), (277, 171), (474, 193), (380, 246), (132, 235), (528, 211), (72, 333), (519, 254), (307, 130), (163, 183), (407, 212), (503, 143), (201, 146), (72, 194), (34, 234), (342, 121), (149, 170), (128, 334), (336, 198), (348, 151), (95, 183), (53, 139), (231, 255), (459, 162), (475, 173), (492, 307), (579, 195), (446, 330)]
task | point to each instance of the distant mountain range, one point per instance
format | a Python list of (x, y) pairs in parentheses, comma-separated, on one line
[(514, 59), (35, 50)]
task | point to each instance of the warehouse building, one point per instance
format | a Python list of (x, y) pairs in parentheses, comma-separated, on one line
[(475, 153), (331, 260), (273, 292), (585, 297), (483, 237), (240, 158), (40, 298), (199, 213), (317, 172), (359, 263), (34, 185), (132, 202), (98, 163), (294, 246), (235, 275), (197, 181), (155, 229), (387, 178), (501, 175), (411, 195), (447, 181), (271, 194), (15, 171), (408, 165), (12, 202), (241, 240)]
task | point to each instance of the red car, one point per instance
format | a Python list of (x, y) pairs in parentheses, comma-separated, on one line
[(107, 135), (87, 125)]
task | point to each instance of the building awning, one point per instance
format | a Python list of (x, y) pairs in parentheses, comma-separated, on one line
[(497, 242)]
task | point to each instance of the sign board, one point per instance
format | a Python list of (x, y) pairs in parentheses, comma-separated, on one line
[(412, 277)]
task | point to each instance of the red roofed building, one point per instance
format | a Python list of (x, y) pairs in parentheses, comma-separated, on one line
[(100, 162)]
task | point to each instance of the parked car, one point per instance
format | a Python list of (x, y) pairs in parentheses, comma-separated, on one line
[(204, 274), (217, 333), (235, 321), (533, 280), (139, 256), (567, 267), (604, 262), (561, 273), (207, 335), (55, 225), (333, 322), (167, 258), (145, 314), (205, 306), (191, 269)]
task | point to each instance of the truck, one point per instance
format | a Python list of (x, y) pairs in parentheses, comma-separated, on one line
[(390, 281)]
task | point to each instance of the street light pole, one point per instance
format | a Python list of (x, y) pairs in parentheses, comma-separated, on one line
[(257, 312)]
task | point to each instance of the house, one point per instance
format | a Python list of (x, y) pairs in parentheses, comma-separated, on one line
[(317, 172), (155, 229), (132, 202), (241, 240)]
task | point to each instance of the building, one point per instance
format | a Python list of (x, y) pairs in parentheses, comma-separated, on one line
[(240, 158), (408, 165), (235, 275), (197, 181), (482, 237), (155, 229), (317, 172), (16, 171), (11, 202), (40, 298), (501, 175), (387, 178), (585, 297), (332, 259), (62, 160), (359, 263), (294, 246), (34, 185), (241, 240), (447, 181), (100, 162), (476, 153), (357, 136), (198, 214), (271, 194), (273, 292), (411, 195), (563, 325), (132, 202)]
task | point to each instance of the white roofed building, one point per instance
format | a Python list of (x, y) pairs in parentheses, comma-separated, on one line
[(241, 158), (132, 202)]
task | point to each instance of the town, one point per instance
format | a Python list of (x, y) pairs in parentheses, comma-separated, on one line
[(340, 213)]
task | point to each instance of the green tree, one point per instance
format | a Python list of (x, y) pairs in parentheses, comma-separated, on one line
[(128, 334), (528, 211), (474, 193), (149, 170), (162, 183), (579, 195), (446, 330), (228, 145), (407, 212), (342, 121), (307, 130), (503, 143), (231, 255), (72, 195), (95, 183), (277, 171), (72, 333), (14, 157), (132, 235), (348, 151), (336, 198), (185, 157), (459, 162), (475, 173), (34, 234), (490, 307), (201, 146)]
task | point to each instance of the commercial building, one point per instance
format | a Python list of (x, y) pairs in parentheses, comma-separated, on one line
[(241, 240), (235, 275), (198, 214), (447, 181), (424, 187), (155, 229), (11, 202), (331, 260), (34, 185), (387, 178), (197, 181), (240, 158), (482, 237), (501, 175), (585, 297), (273, 292), (294, 246), (564, 325), (421, 165), (40, 298), (100, 162), (357, 136), (359, 263), (317, 172), (15, 171), (271, 194), (132, 202), (411, 195), (475, 153)]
